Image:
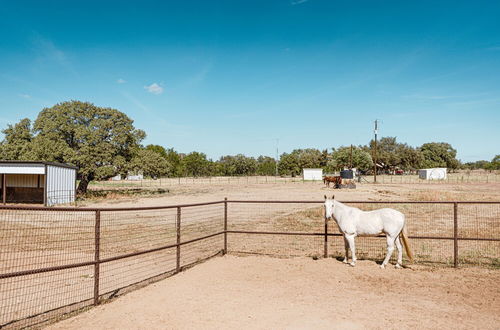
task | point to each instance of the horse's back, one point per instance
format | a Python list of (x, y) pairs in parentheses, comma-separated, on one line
[(384, 220), (388, 212)]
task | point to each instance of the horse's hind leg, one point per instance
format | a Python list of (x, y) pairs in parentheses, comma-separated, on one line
[(400, 252), (346, 245), (390, 250), (350, 240)]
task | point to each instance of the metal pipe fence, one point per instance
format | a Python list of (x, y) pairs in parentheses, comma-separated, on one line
[(57, 260), (444, 233)]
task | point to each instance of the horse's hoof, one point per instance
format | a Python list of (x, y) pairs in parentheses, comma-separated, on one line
[(398, 266), (382, 266), (352, 264), (345, 261)]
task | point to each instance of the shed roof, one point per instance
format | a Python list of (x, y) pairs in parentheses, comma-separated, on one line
[(36, 162)]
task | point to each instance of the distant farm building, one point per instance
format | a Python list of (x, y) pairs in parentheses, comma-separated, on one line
[(37, 182), (439, 173), (129, 177), (312, 174), (135, 177), (116, 178)]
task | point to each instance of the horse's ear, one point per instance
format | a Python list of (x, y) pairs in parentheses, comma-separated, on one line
[(325, 198), (333, 196)]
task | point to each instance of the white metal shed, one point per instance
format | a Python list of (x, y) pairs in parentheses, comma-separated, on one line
[(312, 174), (439, 173), (37, 182)]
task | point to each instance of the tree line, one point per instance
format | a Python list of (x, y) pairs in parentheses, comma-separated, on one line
[(103, 142)]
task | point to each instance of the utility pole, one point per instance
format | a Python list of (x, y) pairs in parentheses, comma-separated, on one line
[(277, 156), (350, 159), (375, 153)]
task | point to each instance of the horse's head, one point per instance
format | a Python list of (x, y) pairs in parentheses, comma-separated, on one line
[(329, 207)]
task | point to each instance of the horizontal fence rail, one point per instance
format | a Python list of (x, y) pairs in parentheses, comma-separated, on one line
[(57, 260)]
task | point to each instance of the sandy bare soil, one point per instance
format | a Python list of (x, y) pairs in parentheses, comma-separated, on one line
[(301, 293), (188, 193)]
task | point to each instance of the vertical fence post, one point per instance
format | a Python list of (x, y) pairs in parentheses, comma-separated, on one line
[(225, 226), (178, 227), (4, 189), (325, 252), (455, 234), (97, 255)]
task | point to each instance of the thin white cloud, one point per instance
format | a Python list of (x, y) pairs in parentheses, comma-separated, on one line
[(48, 52), (492, 46), (427, 97), (442, 97), (154, 88), (197, 78), (121, 81), (25, 96), (298, 2), (176, 130), (476, 102), (136, 102)]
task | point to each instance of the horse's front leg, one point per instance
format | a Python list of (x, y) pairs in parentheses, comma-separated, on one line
[(350, 240), (346, 246)]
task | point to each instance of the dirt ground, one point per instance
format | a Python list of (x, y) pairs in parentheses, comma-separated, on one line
[(198, 193), (269, 293)]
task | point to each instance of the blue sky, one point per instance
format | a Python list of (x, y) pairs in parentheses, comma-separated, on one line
[(226, 77)]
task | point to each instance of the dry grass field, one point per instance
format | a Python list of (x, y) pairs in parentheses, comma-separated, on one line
[(31, 239), (194, 192)]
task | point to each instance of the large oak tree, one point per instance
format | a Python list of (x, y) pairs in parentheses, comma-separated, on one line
[(100, 141)]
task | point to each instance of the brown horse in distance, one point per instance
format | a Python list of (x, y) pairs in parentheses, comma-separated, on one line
[(336, 180)]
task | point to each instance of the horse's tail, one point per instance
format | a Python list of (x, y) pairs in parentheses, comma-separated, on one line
[(406, 243)]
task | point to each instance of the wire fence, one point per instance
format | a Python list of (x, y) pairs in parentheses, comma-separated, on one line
[(446, 233), (213, 180), (57, 260), (452, 178)]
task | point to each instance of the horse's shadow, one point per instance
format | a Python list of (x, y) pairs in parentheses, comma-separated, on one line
[(341, 259), (378, 262)]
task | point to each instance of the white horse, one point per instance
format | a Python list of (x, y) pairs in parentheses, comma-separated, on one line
[(353, 222)]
